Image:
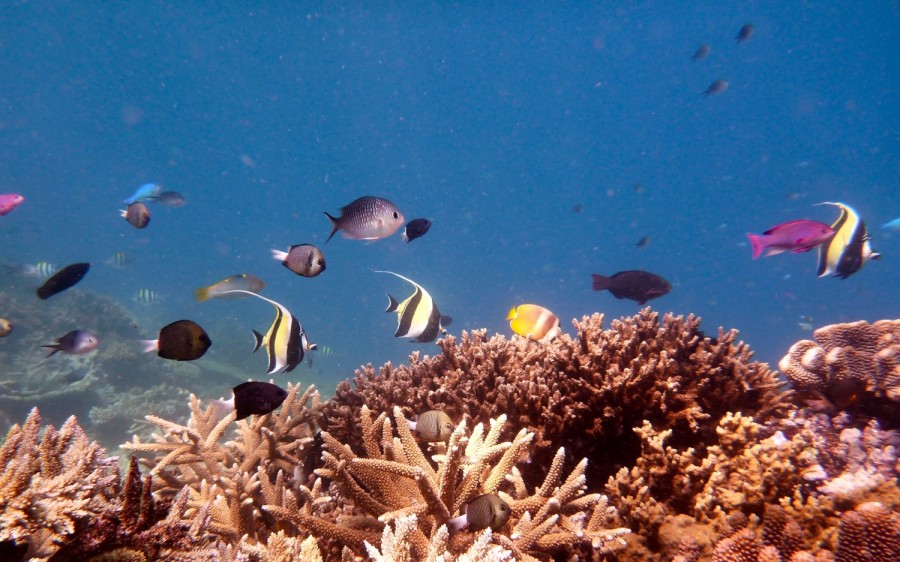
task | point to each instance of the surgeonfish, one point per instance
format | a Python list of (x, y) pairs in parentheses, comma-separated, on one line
[(144, 193), (76, 342), (795, 236), (533, 322), (6, 327), (415, 228), (367, 218), (701, 53), (717, 87), (745, 33), (432, 426), (243, 281), (286, 340), (183, 340), (137, 214), (62, 280), (487, 510), (418, 316), (637, 285), (9, 201), (305, 260), (253, 398), (849, 249), (146, 296)]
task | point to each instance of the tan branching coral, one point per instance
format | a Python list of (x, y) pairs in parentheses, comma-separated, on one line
[(855, 364), (584, 392), (395, 480)]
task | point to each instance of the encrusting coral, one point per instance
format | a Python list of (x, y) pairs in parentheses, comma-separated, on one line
[(585, 393), (854, 366)]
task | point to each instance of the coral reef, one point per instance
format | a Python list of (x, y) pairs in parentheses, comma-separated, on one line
[(583, 393), (853, 366)]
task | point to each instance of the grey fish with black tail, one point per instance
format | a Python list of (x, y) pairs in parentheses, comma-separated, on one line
[(367, 218), (850, 247)]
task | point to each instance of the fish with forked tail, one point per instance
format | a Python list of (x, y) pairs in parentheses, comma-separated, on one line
[(367, 218)]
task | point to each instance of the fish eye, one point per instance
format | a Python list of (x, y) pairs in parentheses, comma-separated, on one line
[(504, 507), (320, 262), (448, 426), (396, 215)]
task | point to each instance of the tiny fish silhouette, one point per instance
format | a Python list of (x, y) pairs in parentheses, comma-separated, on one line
[(745, 33), (701, 53), (716, 87)]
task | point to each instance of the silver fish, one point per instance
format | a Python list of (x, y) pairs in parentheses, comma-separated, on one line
[(367, 218), (76, 342)]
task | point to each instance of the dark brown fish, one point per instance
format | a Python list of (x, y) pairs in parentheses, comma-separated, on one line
[(745, 33), (137, 215), (635, 284), (257, 398), (183, 340), (65, 278), (415, 228)]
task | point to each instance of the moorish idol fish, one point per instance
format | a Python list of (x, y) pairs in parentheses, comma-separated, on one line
[(850, 248), (418, 316), (285, 342)]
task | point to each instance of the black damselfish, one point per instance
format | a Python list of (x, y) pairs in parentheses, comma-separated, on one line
[(257, 398), (635, 284)]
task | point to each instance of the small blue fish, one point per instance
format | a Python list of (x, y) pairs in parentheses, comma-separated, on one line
[(894, 225), (146, 192)]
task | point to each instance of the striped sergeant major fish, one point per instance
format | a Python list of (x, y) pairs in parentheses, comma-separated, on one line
[(146, 296), (849, 249), (418, 316), (286, 340)]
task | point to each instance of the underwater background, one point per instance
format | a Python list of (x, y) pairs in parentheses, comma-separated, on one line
[(543, 142)]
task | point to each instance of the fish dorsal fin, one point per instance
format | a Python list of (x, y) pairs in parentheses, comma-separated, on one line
[(277, 305), (407, 279)]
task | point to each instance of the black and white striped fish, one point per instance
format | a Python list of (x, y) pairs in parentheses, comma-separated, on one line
[(146, 296), (849, 249), (418, 316), (286, 340)]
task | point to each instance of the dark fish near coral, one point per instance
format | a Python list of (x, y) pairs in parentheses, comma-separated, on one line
[(701, 53), (418, 316), (487, 510), (183, 340), (745, 33), (146, 296), (432, 426), (169, 199), (635, 284), (849, 249), (367, 218), (244, 282), (305, 260), (76, 342), (716, 87), (286, 340), (253, 398), (533, 321), (642, 243), (9, 201), (67, 277), (144, 193), (415, 228), (795, 236), (6, 327), (137, 215)]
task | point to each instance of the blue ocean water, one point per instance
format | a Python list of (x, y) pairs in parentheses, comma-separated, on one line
[(543, 142)]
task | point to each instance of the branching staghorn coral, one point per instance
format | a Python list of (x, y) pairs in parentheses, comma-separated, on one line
[(584, 393), (394, 480)]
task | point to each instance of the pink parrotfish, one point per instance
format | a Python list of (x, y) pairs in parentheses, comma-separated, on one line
[(9, 201), (794, 236)]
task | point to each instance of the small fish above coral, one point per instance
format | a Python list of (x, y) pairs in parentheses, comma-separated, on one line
[(76, 342), (65, 278), (183, 340), (533, 322), (137, 215), (639, 286), (795, 236), (223, 289), (253, 398), (367, 218), (305, 260), (432, 426), (9, 201), (415, 228)]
